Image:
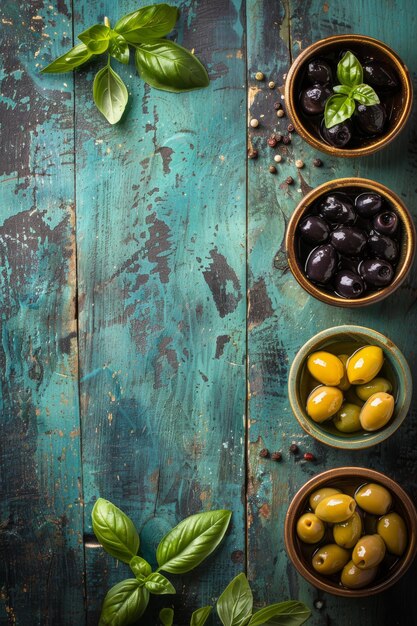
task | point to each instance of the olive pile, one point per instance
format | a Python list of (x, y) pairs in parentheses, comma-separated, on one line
[(348, 390), (357, 535), (350, 244), (367, 121)]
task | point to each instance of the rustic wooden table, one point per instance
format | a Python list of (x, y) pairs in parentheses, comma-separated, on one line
[(148, 320)]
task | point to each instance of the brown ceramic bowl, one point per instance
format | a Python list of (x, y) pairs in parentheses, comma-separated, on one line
[(400, 106), (339, 477), (407, 245)]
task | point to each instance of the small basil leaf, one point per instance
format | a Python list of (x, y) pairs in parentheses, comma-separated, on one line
[(200, 616), (189, 543), (289, 613), (96, 38), (365, 95), (140, 567), (166, 65), (111, 96), (349, 70), (124, 603), (147, 23), (342, 89), (235, 604), (158, 584), (119, 49), (167, 617), (114, 530), (73, 58), (338, 109)]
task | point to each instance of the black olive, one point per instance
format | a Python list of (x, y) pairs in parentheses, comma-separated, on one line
[(376, 272), (382, 247), (368, 204), (338, 135), (319, 71), (321, 264), (370, 119), (379, 75), (313, 99), (348, 240), (337, 209), (385, 223), (348, 284), (314, 229)]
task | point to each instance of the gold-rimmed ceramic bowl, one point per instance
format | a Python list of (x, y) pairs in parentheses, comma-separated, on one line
[(399, 109), (349, 478), (408, 237)]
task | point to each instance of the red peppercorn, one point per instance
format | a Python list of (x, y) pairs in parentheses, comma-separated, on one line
[(264, 453), (294, 448), (309, 456), (277, 106), (272, 141), (317, 162), (272, 169), (276, 456), (290, 128)]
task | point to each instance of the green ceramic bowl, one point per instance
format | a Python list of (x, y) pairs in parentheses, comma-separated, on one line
[(395, 368)]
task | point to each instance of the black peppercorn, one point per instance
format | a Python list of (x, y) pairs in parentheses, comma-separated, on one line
[(277, 106), (272, 169), (317, 162), (264, 453), (289, 180), (286, 139), (294, 448)]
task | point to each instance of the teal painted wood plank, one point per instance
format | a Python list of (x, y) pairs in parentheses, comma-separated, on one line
[(283, 316), (161, 240), (41, 565)]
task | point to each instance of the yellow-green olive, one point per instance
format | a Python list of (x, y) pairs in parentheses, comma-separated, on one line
[(337, 508), (377, 411), (320, 494), (368, 552), (347, 418), (374, 498), (344, 383), (310, 528), (330, 559), (324, 402), (393, 531), (367, 390), (364, 364), (346, 534), (325, 367), (355, 578)]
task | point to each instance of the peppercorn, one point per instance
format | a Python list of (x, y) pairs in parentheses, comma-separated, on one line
[(289, 180), (294, 448), (277, 106), (278, 137), (276, 456), (272, 169), (280, 112), (290, 128), (299, 163), (309, 456), (317, 162), (252, 153), (254, 122), (259, 76), (264, 453), (272, 141), (271, 84), (286, 139), (278, 158)]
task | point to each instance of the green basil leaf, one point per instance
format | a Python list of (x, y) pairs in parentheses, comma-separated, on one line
[(289, 613), (124, 603), (111, 96), (96, 38), (158, 584), (365, 95), (167, 617), (140, 567), (338, 109), (119, 49), (147, 23), (342, 89), (189, 543), (349, 70), (166, 65), (67, 62), (235, 604), (200, 616), (114, 530)]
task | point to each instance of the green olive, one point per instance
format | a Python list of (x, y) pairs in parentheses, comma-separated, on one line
[(347, 418), (374, 498), (377, 411), (320, 494), (346, 534), (337, 508), (330, 559), (367, 390), (393, 531), (344, 383), (368, 552), (325, 367), (364, 364), (355, 578), (310, 528), (324, 402)]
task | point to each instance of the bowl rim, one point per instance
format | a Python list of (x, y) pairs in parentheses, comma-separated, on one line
[(338, 184), (353, 442), (374, 145), (371, 476)]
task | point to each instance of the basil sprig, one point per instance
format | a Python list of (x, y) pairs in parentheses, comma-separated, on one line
[(160, 62), (341, 105)]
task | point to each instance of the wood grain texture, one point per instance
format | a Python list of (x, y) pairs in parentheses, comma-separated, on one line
[(40, 503)]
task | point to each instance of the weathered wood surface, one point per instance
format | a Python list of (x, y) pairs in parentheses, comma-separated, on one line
[(172, 229)]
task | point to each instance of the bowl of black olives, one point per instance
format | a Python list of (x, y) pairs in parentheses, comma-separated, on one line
[(351, 532), (348, 95), (350, 242)]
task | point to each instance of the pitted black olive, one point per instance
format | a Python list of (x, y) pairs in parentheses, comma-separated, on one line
[(314, 229), (318, 71), (370, 119), (385, 223), (338, 135), (376, 272), (382, 247), (321, 264), (313, 99), (379, 75), (337, 208), (368, 204), (348, 284), (348, 240)]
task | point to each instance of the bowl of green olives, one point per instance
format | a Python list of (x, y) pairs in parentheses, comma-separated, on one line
[(351, 531), (350, 387)]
